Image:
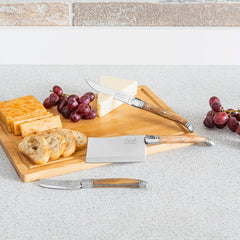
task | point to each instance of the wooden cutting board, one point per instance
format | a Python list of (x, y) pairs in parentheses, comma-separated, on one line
[(125, 120)]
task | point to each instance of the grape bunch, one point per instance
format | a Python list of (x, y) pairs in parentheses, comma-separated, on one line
[(220, 118), (73, 106)]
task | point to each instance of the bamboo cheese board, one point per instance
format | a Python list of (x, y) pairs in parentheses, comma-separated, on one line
[(125, 120)]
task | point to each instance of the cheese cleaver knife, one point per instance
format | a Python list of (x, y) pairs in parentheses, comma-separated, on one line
[(131, 148), (138, 103)]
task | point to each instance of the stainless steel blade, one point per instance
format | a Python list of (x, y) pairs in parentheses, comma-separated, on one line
[(60, 184), (101, 89), (129, 148), (118, 95)]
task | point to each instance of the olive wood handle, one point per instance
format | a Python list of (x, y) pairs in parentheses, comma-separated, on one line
[(182, 139), (119, 183), (164, 113)]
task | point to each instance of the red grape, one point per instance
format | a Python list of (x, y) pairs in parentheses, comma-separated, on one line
[(238, 130), (233, 124), (66, 112), (221, 125), (72, 104), (73, 96), (83, 109), (213, 100), (91, 115), (217, 107), (61, 98), (208, 122), (84, 99), (234, 114), (211, 113), (75, 117), (238, 116), (220, 118), (62, 104), (54, 99), (90, 95), (47, 103), (57, 90)]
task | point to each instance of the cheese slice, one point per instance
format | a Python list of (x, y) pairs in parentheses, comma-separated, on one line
[(16, 125), (10, 121), (19, 107), (106, 103), (40, 125)]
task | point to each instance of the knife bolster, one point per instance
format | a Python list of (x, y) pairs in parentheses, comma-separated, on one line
[(151, 139), (86, 183), (137, 102)]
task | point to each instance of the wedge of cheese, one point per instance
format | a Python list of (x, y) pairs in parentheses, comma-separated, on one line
[(106, 103), (40, 125)]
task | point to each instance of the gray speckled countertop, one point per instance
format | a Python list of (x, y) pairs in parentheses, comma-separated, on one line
[(193, 192)]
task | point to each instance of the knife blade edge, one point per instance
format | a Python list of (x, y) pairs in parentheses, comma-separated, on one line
[(60, 184)]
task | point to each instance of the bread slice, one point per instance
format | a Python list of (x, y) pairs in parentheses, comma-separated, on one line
[(81, 140), (71, 145), (56, 143), (35, 147), (40, 125)]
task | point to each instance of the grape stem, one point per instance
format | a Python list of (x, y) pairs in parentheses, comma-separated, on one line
[(230, 112), (64, 94)]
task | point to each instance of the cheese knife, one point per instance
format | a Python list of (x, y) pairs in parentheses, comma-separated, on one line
[(93, 183), (138, 103), (131, 148)]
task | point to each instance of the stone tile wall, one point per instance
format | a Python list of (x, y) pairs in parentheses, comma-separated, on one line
[(34, 14), (120, 13)]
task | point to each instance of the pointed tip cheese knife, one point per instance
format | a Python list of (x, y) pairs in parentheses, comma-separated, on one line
[(138, 103), (93, 183)]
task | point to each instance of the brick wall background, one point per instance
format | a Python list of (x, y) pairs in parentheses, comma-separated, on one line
[(212, 13)]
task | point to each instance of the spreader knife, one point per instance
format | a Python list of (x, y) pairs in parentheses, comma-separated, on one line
[(93, 183), (138, 103)]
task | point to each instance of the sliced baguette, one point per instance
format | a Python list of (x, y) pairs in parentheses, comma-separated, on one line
[(56, 143), (71, 145), (81, 139), (35, 147)]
